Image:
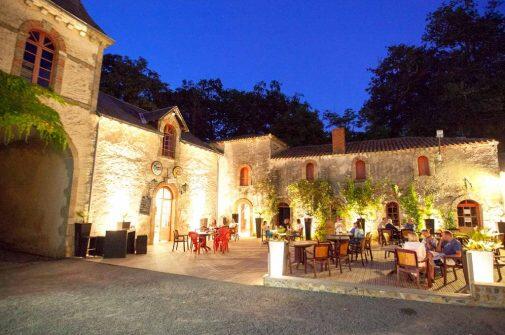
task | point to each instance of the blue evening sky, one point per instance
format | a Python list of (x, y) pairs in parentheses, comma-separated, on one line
[(321, 49)]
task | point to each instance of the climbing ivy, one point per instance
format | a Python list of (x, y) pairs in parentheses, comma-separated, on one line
[(21, 111)]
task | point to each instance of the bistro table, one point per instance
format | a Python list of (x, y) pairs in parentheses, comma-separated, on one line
[(301, 252), (202, 237)]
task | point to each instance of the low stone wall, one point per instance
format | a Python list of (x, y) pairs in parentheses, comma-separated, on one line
[(488, 296)]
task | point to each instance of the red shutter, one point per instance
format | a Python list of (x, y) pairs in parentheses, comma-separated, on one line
[(360, 170)]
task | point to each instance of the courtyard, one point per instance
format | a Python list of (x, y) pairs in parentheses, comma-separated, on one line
[(71, 296)]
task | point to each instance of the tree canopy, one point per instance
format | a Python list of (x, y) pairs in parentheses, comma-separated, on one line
[(212, 111), (454, 81)]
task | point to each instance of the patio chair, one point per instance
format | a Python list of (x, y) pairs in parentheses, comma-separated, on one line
[(447, 264), (195, 242), (342, 254), (404, 234), (407, 262), (321, 255), (499, 261), (368, 246), (358, 249), (179, 238)]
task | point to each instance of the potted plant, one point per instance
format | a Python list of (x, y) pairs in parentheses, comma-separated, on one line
[(480, 256)]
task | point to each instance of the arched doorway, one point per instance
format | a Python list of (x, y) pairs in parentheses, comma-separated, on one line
[(393, 212), (284, 212), (35, 191), (163, 215), (468, 214), (245, 214)]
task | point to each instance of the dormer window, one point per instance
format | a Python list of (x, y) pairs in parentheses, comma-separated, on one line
[(168, 145), (38, 58)]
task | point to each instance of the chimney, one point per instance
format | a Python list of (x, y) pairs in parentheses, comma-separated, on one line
[(338, 140)]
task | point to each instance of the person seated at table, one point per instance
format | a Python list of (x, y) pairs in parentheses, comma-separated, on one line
[(298, 228), (409, 225), (448, 246), (339, 226), (285, 223), (357, 232), (268, 231), (429, 241), (382, 224), (424, 258), (412, 237)]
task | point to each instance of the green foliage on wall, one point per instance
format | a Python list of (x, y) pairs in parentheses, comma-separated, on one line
[(21, 111), (314, 198), (364, 199), (268, 202), (417, 203)]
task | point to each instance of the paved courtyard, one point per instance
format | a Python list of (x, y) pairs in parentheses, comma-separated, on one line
[(246, 263), (39, 296)]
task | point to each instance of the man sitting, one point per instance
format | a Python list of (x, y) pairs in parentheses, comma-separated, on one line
[(395, 232), (449, 246), (409, 225)]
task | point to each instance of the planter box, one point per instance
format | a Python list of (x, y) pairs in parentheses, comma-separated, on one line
[(480, 266), (277, 252)]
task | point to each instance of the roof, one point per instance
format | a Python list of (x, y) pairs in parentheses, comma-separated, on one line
[(136, 116), (154, 116), (120, 110), (248, 136), (380, 145), (192, 139), (76, 8)]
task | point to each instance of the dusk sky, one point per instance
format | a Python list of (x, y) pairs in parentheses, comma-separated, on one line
[(321, 49)]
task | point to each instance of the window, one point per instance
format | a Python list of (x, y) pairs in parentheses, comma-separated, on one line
[(423, 165), (38, 58), (468, 214), (168, 145), (245, 178), (360, 170), (309, 171), (393, 213)]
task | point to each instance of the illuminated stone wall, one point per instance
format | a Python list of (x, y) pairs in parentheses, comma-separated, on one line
[(77, 80), (478, 163)]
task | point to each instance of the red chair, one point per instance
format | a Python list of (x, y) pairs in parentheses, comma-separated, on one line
[(218, 237), (195, 241), (225, 240)]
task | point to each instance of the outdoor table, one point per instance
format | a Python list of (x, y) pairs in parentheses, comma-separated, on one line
[(202, 236), (301, 252)]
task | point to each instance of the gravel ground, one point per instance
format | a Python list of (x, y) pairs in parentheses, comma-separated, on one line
[(39, 296)]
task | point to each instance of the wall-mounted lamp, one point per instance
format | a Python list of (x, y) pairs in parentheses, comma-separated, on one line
[(184, 188), (468, 184)]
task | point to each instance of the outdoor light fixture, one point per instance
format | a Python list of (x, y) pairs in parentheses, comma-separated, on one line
[(184, 188), (276, 258), (481, 265)]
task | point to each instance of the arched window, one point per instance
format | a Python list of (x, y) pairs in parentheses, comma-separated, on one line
[(168, 145), (38, 58), (309, 171), (360, 170), (393, 213), (245, 176), (469, 214), (423, 165)]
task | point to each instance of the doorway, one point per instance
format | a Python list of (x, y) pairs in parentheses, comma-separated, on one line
[(162, 219), (245, 212), (284, 213)]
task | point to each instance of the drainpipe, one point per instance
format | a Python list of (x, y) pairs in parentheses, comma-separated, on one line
[(93, 166)]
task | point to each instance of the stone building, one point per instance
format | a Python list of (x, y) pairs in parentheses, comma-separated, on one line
[(145, 167)]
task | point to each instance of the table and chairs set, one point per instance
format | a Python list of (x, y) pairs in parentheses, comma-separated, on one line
[(196, 241)]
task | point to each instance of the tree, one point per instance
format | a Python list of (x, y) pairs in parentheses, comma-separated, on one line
[(455, 81), (212, 111)]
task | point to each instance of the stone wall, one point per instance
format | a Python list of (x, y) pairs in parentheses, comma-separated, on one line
[(478, 164), (77, 70)]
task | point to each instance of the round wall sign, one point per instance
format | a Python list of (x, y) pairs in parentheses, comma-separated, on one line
[(157, 168), (177, 171)]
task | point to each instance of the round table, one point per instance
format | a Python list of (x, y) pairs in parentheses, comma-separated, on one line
[(301, 252)]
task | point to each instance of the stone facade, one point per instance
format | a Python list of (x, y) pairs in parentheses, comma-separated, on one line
[(114, 146)]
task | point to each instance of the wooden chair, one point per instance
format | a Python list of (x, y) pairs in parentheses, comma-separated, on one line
[(358, 249), (458, 264), (404, 234), (342, 254), (499, 261), (407, 262), (321, 255), (179, 238), (387, 236), (368, 246)]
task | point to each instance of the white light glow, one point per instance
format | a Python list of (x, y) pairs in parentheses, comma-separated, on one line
[(276, 259)]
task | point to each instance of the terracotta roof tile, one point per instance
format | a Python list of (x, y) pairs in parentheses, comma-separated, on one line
[(388, 144)]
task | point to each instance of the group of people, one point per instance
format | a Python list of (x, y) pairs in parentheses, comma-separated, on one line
[(283, 227)]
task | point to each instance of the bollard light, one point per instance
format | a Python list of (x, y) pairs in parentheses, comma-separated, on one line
[(276, 258)]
